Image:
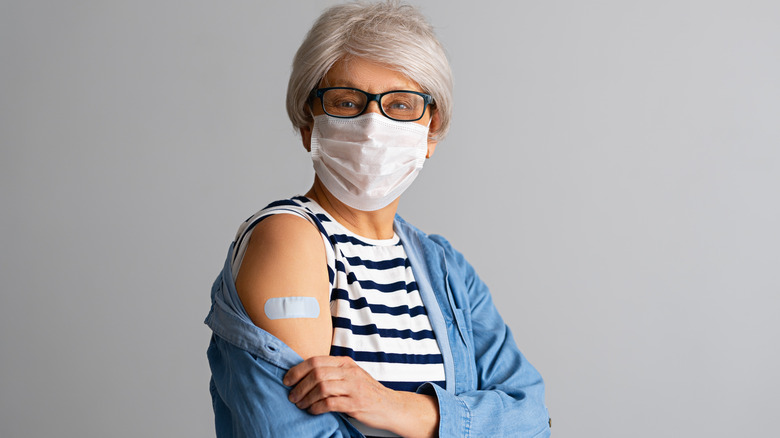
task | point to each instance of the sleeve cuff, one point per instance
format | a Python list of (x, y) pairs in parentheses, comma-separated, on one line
[(454, 414)]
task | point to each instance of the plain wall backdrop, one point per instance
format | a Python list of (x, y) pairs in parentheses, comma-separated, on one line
[(613, 173)]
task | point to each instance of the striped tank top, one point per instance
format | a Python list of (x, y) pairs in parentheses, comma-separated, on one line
[(379, 319)]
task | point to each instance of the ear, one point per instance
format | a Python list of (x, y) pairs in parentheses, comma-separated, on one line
[(433, 130), (306, 137)]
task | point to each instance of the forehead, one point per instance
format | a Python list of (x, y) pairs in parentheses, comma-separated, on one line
[(366, 75)]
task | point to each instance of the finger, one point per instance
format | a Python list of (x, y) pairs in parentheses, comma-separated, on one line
[(322, 391), (296, 373), (330, 404), (314, 378)]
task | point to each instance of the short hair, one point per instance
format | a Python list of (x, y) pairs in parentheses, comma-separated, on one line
[(388, 32)]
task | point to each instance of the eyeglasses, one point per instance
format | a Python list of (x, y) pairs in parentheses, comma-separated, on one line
[(400, 105)]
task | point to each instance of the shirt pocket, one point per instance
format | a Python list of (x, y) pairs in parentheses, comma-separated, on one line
[(466, 367), (463, 321)]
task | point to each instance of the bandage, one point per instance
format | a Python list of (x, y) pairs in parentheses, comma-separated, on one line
[(292, 307)]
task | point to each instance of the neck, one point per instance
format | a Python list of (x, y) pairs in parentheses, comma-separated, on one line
[(377, 224)]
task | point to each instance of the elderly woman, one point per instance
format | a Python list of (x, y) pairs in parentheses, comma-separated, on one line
[(333, 316)]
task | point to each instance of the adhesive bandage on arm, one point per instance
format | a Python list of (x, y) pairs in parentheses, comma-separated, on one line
[(292, 307)]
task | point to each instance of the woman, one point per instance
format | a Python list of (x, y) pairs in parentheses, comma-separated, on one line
[(334, 317)]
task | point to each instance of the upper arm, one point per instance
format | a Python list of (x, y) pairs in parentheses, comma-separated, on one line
[(286, 257)]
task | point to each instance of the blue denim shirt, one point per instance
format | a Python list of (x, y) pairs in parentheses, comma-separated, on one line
[(491, 389)]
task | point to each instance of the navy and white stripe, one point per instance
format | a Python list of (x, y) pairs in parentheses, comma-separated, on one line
[(378, 315)]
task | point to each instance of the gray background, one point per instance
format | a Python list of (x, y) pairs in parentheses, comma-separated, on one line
[(612, 172)]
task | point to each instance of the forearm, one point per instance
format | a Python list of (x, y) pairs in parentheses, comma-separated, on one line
[(337, 384), (416, 415)]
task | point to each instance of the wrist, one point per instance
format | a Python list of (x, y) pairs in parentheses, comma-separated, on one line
[(420, 413)]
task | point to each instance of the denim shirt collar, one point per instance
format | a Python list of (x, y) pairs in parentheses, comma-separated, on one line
[(430, 272)]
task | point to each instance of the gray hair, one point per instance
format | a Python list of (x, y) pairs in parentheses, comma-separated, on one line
[(390, 33)]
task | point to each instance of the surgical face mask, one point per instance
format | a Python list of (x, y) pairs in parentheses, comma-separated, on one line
[(367, 162)]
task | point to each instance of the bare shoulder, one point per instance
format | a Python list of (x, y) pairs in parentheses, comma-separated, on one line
[(286, 258), (286, 233)]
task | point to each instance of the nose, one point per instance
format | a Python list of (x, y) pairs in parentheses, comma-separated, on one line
[(372, 107)]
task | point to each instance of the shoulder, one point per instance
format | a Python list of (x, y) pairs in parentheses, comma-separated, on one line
[(285, 232), (437, 249), (296, 206), (412, 234), (288, 246)]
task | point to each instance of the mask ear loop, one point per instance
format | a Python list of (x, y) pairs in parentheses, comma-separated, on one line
[(430, 137)]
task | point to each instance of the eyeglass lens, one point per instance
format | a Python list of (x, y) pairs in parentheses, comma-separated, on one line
[(397, 105)]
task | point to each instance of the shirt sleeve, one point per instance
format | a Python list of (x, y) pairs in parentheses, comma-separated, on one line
[(250, 400), (509, 395)]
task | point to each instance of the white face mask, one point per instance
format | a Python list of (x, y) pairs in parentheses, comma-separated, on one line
[(367, 162)]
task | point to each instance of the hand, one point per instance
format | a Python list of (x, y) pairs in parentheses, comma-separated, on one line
[(337, 384)]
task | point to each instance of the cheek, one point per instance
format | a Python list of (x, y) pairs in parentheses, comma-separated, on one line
[(315, 106)]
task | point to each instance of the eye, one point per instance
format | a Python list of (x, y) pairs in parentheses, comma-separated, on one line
[(346, 104), (343, 102), (400, 105), (399, 101)]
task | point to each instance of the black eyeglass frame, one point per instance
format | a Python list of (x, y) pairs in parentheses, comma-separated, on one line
[(319, 92)]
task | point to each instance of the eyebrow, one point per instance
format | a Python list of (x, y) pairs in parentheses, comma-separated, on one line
[(350, 84)]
